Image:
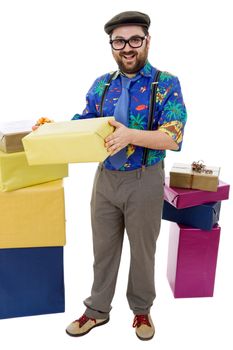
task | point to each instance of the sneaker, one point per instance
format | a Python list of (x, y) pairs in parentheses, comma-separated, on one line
[(83, 325), (145, 329)]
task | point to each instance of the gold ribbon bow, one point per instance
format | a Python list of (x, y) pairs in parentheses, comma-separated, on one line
[(200, 167), (43, 120)]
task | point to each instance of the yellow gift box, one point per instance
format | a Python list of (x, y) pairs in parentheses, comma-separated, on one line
[(15, 172), (183, 176), (74, 141), (33, 216), (11, 134)]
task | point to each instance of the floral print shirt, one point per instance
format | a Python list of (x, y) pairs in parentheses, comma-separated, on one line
[(170, 115)]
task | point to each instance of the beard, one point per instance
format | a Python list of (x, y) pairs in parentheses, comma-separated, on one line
[(132, 61)]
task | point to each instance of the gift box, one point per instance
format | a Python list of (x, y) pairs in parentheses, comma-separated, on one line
[(15, 172), (192, 259), (68, 142), (182, 175), (203, 216), (11, 135), (33, 216), (184, 198), (32, 281)]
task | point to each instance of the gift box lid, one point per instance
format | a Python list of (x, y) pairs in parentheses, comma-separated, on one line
[(73, 127), (184, 198), (11, 134), (16, 127), (181, 168)]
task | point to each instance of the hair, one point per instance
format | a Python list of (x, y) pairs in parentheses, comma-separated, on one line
[(145, 30)]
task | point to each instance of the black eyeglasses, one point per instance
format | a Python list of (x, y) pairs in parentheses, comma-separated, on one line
[(135, 42)]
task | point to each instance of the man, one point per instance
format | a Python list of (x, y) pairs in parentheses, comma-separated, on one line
[(128, 186)]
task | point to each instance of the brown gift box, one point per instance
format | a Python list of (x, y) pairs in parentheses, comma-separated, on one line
[(11, 134), (182, 175)]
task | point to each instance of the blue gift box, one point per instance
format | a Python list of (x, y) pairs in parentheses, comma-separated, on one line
[(31, 281), (203, 216)]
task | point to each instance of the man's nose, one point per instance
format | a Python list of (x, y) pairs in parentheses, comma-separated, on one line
[(127, 47)]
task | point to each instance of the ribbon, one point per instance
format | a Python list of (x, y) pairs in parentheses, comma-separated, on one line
[(43, 120), (200, 167)]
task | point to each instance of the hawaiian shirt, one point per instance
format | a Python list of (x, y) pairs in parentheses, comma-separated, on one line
[(170, 115)]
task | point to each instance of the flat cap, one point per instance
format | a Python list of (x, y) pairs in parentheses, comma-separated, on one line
[(127, 18)]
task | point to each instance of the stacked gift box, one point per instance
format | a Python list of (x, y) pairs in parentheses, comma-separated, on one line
[(32, 218), (73, 141), (192, 203), (32, 229)]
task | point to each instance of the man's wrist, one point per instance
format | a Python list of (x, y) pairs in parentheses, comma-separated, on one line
[(132, 136)]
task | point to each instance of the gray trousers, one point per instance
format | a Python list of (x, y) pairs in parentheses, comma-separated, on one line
[(130, 200)]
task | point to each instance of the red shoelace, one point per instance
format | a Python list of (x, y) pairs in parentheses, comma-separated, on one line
[(141, 319), (83, 319)]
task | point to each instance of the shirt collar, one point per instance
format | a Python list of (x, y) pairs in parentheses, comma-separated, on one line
[(145, 71)]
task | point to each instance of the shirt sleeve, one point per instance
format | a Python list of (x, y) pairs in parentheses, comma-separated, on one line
[(174, 115)]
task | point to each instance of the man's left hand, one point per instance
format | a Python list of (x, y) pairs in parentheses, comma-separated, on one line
[(119, 139)]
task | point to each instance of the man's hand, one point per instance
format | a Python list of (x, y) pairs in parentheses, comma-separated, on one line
[(119, 139)]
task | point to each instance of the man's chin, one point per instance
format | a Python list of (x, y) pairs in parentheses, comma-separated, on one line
[(129, 69)]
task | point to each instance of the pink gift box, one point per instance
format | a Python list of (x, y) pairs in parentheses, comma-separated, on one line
[(185, 198), (192, 259)]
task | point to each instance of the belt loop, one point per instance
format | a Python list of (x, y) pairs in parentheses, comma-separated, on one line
[(101, 166), (139, 173)]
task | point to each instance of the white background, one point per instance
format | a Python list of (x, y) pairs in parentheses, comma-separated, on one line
[(51, 52)]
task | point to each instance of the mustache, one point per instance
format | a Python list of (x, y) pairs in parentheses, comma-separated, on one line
[(123, 53)]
